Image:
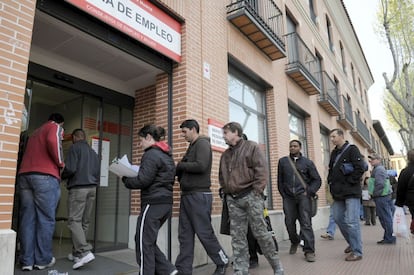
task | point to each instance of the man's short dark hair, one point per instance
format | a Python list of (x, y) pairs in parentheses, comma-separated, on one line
[(190, 124), (56, 117), (297, 141), (340, 132), (79, 133), (233, 127)]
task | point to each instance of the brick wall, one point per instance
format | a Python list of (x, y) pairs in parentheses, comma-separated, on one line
[(16, 24)]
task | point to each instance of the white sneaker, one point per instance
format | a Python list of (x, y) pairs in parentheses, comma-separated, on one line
[(41, 267), (84, 260), (27, 268), (175, 272), (72, 258)]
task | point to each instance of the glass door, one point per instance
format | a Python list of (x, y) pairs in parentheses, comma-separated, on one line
[(109, 130)]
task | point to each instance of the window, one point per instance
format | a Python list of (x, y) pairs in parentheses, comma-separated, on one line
[(325, 150), (342, 56), (353, 76), (312, 11), (297, 129), (329, 31), (247, 107)]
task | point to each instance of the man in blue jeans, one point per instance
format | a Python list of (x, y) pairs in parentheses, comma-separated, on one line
[(383, 202), (39, 190), (345, 171)]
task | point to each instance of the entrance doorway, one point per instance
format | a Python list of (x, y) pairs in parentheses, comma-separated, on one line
[(109, 128)]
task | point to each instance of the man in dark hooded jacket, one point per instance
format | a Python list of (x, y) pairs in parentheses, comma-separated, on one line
[(193, 172)]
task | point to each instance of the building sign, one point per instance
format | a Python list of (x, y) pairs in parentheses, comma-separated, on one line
[(139, 19), (216, 135)]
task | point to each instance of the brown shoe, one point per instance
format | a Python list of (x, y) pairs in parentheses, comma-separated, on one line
[(327, 236), (352, 258), (348, 250)]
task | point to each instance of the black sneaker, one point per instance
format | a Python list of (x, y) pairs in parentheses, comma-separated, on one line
[(220, 270), (253, 263), (293, 248)]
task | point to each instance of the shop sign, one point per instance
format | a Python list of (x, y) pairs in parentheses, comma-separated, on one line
[(139, 19)]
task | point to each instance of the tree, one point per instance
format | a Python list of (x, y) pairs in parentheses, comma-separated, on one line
[(397, 20)]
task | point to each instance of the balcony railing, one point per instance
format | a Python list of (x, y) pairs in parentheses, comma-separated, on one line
[(262, 22), (346, 118), (302, 66), (361, 131), (329, 98)]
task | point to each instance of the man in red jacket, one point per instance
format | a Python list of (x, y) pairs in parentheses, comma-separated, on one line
[(39, 189)]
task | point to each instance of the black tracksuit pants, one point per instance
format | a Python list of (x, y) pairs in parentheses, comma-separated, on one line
[(195, 218), (149, 257)]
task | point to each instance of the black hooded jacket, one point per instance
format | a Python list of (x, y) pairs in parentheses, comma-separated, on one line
[(155, 176)]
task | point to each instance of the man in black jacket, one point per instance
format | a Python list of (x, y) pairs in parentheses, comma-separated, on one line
[(82, 171), (346, 168), (193, 173), (298, 181)]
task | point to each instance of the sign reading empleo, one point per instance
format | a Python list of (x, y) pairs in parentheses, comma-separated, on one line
[(139, 19)]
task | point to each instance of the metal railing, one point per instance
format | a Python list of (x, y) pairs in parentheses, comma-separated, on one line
[(265, 11), (348, 110), (362, 128), (330, 90), (300, 55)]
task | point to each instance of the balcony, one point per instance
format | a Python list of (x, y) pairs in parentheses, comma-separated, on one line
[(262, 22), (328, 98), (346, 118), (303, 66), (361, 132)]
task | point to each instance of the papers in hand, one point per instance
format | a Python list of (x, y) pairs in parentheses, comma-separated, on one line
[(122, 168)]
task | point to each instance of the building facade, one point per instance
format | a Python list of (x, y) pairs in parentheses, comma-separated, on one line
[(285, 70)]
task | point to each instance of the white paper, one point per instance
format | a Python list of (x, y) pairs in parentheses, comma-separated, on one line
[(122, 168), (365, 195)]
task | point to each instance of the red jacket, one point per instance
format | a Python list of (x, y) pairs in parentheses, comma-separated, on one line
[(43, 152)]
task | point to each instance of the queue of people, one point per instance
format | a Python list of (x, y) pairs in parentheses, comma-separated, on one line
[(243, 176)]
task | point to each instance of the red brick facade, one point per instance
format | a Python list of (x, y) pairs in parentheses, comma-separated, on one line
[(16, 24)]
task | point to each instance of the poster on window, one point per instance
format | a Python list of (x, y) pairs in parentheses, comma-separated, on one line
[(104, 158)]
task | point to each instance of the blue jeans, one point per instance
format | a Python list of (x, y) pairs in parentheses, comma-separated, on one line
[(346, 215), (384, 212), (332, 225), (39, 196)]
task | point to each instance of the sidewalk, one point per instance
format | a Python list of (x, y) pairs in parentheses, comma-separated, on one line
[(330, 258)]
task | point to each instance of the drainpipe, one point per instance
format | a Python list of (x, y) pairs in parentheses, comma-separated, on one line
[(170, 133)]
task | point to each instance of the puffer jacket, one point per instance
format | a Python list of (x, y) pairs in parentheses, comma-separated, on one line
[(345, 186), (243, 167), (155, 176)]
